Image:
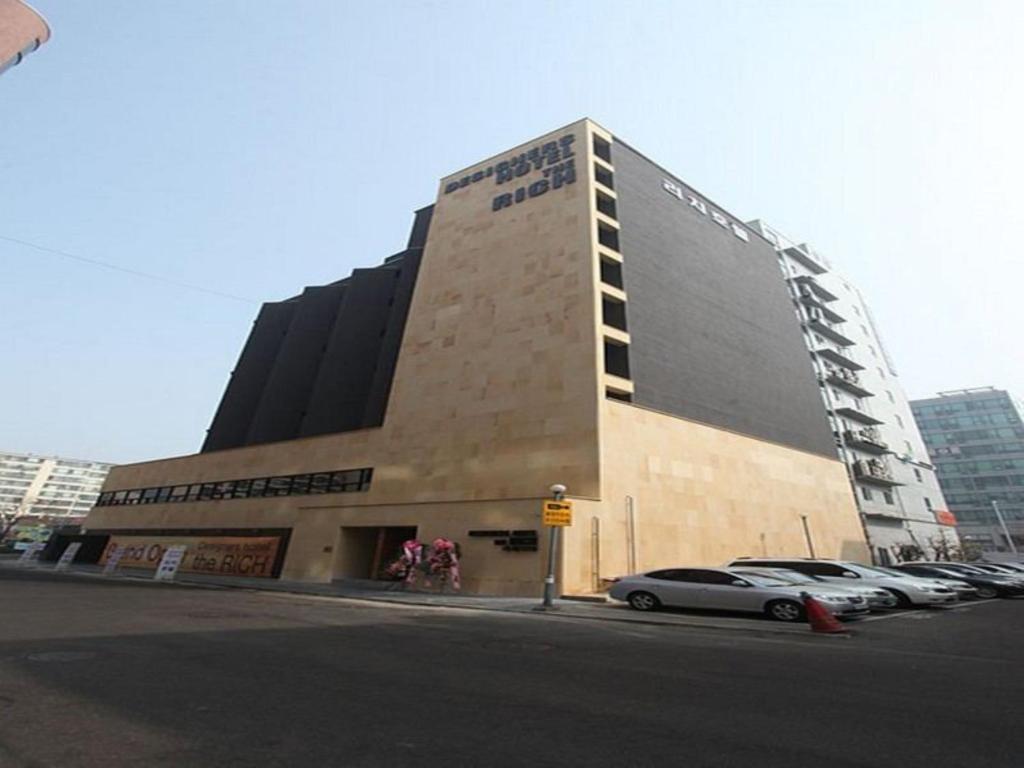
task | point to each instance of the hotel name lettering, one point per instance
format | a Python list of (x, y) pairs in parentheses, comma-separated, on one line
[(555, 160)]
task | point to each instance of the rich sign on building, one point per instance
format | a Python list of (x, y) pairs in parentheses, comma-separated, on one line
[(566, 312)]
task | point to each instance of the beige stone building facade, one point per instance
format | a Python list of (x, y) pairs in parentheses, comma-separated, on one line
[(517, 366)]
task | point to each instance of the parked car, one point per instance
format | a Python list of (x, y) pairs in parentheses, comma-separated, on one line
[(1015, 567), (973, 569), (999, 569), (907, 591), (963, 589), (715, 588), (878, 598), (988, 586)]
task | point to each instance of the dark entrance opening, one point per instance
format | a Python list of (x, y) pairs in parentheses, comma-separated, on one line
[(367, 550)]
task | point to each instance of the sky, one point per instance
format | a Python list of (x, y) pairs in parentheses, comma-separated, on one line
[(253, 148)]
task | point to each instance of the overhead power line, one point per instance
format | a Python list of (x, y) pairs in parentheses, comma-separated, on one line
[(126, 270)]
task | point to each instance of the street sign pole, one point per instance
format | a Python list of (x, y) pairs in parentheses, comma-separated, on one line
[(556, 515)]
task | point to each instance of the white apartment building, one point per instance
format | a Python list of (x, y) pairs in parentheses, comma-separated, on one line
[(896, 487), (48, 486)]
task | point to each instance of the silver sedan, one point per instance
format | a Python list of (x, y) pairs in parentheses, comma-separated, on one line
[(718, 589)]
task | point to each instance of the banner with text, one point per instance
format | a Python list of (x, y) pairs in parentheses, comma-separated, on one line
[(219, 555)]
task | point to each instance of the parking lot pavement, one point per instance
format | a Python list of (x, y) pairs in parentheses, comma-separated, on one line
[(129, 673)]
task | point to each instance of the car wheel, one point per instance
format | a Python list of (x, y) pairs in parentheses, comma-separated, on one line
[(902, 601), (987, 593), (785, 610), (644, 601)]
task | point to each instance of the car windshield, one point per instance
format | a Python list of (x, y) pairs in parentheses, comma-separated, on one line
[(794, 577), (763, 580), (889, 571), (864, 570)]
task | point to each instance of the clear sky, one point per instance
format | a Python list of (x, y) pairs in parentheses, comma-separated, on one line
[(257, 147)]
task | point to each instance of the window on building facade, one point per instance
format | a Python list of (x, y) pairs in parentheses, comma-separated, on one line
[(866, 493), (343, 481), (888, 497)]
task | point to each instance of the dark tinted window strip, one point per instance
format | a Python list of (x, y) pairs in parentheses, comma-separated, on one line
[(340, 481)]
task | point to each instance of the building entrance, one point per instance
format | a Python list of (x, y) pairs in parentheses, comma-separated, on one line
[(365, 551)]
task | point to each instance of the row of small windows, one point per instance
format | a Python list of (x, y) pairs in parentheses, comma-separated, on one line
[(952, 438), (343, 481), (967, 421), (941, 409), (984, 449)]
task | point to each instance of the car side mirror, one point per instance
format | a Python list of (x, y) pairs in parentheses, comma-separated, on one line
[(740, 584), (849, 575)]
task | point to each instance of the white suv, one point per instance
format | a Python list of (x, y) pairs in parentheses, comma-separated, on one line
[(908, 592)]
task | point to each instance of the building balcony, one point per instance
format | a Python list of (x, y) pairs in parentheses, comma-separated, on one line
[(824, 329), (841, 360), (810, 301), (868, 439), (846, 379), (857, 415), (807, 285), (874, 472), (807, 259)]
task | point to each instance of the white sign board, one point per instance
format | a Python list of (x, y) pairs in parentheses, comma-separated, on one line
[(169, 563), (68, 556), (112, 560), (31, 552)]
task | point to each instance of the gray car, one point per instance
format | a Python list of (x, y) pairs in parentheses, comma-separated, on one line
[(718, 589), (908, 591), (878, 599)]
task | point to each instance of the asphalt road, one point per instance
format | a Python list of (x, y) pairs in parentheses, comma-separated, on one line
[(106, 674)]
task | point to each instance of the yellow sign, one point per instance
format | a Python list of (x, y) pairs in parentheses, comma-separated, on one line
[(558, 513)]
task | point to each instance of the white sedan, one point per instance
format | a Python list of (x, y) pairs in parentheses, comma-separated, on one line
[(718, 589)]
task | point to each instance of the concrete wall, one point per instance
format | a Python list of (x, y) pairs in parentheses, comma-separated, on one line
[(702, 496)]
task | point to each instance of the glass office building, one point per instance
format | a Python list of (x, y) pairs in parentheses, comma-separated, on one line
[(975, 438)]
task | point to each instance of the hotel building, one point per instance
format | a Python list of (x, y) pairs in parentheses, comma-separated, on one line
[(566, 311)]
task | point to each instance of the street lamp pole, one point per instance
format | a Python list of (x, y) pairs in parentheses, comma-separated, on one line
[(558, 491), (1002, 524)]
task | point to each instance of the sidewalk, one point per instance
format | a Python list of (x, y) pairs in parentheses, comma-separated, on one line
[(393, 592)]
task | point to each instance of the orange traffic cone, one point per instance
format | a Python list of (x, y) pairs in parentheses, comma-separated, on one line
[(819, 617)]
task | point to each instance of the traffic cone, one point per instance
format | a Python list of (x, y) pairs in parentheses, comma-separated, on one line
[(819, 617)]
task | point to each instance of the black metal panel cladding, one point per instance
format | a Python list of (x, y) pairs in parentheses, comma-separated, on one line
[(323, 361), (713, 335)]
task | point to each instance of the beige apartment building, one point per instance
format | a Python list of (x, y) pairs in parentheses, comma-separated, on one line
[(565, 312)]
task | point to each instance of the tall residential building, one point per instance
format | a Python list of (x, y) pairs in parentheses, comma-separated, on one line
[(49, 486), (22, 30), (897, 490), (976, 439), (566, 312)]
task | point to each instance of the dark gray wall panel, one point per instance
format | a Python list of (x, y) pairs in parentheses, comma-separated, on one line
[(343, 383), (284, 399), (714, 337), (405, 281), (245, 388)]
